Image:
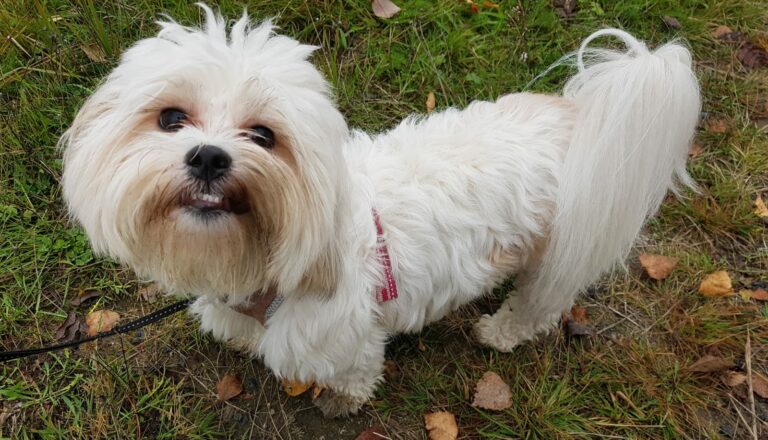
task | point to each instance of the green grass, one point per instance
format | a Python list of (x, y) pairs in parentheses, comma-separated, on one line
[(628, 381)]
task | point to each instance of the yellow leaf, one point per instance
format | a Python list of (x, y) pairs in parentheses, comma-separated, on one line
[(430, 102), (101, 321), (760, 209), (716, 284), (441, 426), (293, 388)]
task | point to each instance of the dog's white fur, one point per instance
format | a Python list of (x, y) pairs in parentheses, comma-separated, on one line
[(554, 189)]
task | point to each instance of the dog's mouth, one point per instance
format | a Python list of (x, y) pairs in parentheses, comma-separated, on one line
[(214, 203)]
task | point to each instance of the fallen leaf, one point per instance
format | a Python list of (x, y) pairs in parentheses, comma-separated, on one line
[(716, 284), (384, 8), (492, 393), (759, 294), (721, 31), (293, 388), (760, 385), (473, 6), (717, 126), (228, 387), (732, 378), (390, 369), (430, 102), (579, 314), (658, 267), (441, 426), (575, 322), (695, 150), (489, 4), (101, 321), (752, 56), (149, 293), (421, 345), (372, 433), (71, 329), (709, 364), (565, 8), (317, 390), (671, 22), (94, 53), (760, 209), (84, 296)]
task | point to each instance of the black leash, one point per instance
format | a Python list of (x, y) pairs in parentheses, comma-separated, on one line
[(133, 325)]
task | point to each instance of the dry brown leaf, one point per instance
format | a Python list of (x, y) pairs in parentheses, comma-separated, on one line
[(759, 294), (228, 387), (149, 293), (760, 385), (84, 296), (293, 388), (317, 390), (579, 314), (732, 378), (71, 329), (717, 126), (473, 6), (658, 267), (441, 426), (372, 433), (94, 53), (384, 8), (101, 321), (390, 369), (575, 322), (760, 209), (695, 150), (421, 345), (490, 5), (721, 31), (710, 364), (430, 102), (671, 22), (716, 284), (752, 56), (565, 8), (492, 393)]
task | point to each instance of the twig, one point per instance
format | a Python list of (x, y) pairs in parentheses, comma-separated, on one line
[(748, 361)]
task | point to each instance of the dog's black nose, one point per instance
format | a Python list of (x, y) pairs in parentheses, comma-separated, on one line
[(207, 162)]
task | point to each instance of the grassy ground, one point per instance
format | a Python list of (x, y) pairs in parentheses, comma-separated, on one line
[(627, 381)]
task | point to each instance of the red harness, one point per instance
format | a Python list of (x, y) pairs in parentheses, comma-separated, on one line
[(263, 306), (389, 290)]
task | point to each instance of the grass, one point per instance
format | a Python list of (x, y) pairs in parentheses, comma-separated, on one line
[(627, 381)]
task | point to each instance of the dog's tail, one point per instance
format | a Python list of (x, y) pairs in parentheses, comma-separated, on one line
[(637, 112)]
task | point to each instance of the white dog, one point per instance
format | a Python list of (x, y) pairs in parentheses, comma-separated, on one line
[(215, 163)]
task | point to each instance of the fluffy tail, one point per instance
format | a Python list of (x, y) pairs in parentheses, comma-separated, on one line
[(637, 114)]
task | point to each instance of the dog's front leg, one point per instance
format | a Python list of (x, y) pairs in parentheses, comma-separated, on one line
[(225, 324), (349, 390)]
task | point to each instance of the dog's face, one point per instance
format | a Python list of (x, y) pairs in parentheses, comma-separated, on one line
[(210, 162)]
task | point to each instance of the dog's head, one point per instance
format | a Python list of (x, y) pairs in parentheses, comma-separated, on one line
[(210, 162)]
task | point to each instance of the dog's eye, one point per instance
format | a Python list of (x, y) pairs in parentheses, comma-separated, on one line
[(262, 136), (172, 119)]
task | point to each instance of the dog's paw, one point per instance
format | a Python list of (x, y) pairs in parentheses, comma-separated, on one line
[(334, 404), (494, 332)]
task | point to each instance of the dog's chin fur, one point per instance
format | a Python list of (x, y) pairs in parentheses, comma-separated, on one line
[(549, 188)]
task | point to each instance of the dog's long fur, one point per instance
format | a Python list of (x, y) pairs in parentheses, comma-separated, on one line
[(554, 189)]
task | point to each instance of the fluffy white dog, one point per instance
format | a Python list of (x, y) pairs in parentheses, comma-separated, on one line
[(215, 163)]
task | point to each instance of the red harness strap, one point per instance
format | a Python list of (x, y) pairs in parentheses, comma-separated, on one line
[(389, 290)]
